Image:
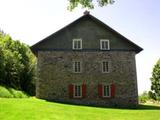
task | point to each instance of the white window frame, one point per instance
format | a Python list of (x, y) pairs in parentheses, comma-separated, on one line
[(103, 66), (101, 45), (105, 89), (75, 91), (74, 66), (73, 44)]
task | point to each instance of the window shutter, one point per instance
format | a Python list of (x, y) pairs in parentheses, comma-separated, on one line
[(84, 90), (113, 90), (70, 90), (100, 90)]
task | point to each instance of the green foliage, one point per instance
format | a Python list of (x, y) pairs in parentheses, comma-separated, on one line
[(144, 97), (35, 109), (17, 93), (88, 3), (155, 81), (152, 95), (17, 65), (6, 92), (148, 97)]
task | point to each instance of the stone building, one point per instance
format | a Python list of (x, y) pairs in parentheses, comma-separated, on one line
[(87, 62)]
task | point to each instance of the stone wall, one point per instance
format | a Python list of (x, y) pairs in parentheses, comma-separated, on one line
[(55, 73)]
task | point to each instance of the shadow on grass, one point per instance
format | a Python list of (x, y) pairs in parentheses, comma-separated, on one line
[(148, 107), (139, 107)]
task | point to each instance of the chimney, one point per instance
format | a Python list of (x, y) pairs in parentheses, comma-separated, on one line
[(86, 12)]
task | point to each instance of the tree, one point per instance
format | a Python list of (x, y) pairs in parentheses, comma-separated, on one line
[(155, 81), (88, 3), (2, 66), (17, 65)]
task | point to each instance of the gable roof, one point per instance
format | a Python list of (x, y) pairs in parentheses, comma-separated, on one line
[(137, 48)]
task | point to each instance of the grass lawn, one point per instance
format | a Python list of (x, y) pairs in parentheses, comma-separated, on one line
[(35, 109)]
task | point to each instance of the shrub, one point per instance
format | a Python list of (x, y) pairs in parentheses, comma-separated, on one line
[(11, 93), (4, 93), (17, 93), (152, 95), (144, 97)]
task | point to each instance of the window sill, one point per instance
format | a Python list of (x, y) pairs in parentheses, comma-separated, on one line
[(77, 72), (104, 49), (106, 96), (77, 97), (77, 49), (105, 72)]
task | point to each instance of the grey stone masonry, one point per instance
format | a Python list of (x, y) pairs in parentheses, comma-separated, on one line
[(55, 74)]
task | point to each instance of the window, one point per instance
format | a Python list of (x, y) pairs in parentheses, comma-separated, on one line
[(77, 44), (104, 44), (77, 66), (77, 91), (105, 67), (106, 91)]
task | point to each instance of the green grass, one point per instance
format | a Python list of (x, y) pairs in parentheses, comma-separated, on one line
[(6, 92), (35, 109)]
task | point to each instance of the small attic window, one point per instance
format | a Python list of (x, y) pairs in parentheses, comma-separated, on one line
[(77, 44), (104, 44)]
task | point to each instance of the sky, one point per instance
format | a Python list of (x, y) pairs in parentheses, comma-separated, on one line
[(139, 20)]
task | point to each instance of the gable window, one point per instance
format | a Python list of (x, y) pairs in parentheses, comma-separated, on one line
[(77, 66), (105, 67), (104, 44), (77, 44), (77, 91), (106, 91)]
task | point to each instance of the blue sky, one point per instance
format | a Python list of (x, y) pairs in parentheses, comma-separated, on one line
[(139, 20)]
